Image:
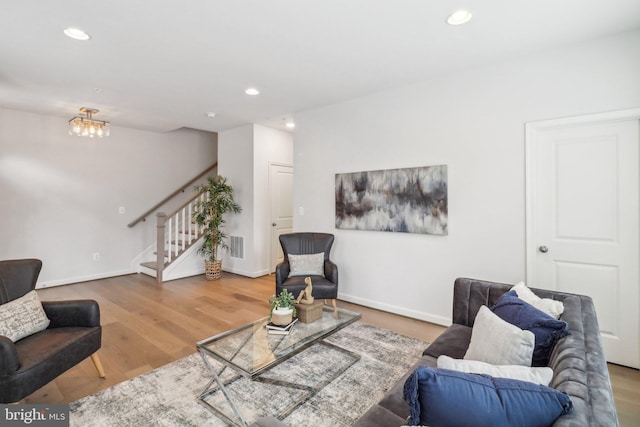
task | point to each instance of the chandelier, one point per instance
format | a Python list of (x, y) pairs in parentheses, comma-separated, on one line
[(87, 126)]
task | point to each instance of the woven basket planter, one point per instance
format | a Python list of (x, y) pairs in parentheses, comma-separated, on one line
[(309, 313), (212, 270), (281, 316)]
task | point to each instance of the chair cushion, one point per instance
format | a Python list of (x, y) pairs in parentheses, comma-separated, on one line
[(22, 317), (322, 287), (453, 342), (546, 329), (306, 265), (440, 397), (45, 355), (498, 342)]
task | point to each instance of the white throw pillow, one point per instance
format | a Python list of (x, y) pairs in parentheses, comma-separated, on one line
[(306, 265), (498, 342), (552, 307), (22, 317), (523, 373)]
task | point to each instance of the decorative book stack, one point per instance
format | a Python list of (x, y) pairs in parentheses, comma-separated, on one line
[(280, 329)]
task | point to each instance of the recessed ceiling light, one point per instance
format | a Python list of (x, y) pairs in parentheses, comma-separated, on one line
[(290, 125), (211, 115), (459, 17), (252, 91), (76, 33)]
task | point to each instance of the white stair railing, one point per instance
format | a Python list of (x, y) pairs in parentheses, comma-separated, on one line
[(176, 232)]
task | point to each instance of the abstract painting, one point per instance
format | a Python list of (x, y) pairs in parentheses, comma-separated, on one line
[(411, 200)]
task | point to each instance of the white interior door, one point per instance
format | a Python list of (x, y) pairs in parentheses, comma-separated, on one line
[(281, 189), (582, 221)]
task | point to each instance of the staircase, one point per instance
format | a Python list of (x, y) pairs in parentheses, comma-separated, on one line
[(177, 233), (178, 237)]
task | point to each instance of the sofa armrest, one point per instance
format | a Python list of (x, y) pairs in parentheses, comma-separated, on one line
[(8, 357), (331, 271), (580, 368), (470, 294), (282, 272), (84, 313)]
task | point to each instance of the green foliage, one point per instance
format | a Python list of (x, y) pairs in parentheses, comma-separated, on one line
[(209, 214), (285, 299)]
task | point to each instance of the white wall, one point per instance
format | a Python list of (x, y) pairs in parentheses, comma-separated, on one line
[(245, 154), (60, 194), (235, 158), (473, 122)]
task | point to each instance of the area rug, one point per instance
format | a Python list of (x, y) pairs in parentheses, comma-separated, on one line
[(167, 395)]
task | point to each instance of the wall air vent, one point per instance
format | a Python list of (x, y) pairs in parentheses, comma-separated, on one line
[(236, 246)]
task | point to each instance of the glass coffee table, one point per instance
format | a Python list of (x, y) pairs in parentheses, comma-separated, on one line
[(251, 351)]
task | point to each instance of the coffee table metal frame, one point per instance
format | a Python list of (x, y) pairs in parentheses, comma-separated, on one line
[(281, 348)]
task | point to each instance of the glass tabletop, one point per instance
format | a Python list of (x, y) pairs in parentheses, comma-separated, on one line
[(251, 350)]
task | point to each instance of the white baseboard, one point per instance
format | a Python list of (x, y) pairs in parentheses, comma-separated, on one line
[(252, 274), (78, 279), (414, 314), (146, 270)]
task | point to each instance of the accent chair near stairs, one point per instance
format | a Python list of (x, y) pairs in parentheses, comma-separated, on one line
[(73, 334), (325, 276)]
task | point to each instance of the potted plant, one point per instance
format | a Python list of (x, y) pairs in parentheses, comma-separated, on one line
[(209, 214), (282, 308)]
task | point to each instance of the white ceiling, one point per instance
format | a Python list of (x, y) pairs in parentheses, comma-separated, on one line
[(163, 64)]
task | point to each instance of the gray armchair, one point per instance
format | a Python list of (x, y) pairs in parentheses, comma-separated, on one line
[(74, 333), (324, 287)]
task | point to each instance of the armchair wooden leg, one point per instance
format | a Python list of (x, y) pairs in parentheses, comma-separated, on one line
[(98, 364), (335, 307)]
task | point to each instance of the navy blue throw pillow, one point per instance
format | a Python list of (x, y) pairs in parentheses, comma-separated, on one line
[(440, 397), (546, 329)]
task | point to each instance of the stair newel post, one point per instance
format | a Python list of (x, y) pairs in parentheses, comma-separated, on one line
[(161, 219)]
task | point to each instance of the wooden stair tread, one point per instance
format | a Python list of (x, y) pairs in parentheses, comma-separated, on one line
[(151, 265)]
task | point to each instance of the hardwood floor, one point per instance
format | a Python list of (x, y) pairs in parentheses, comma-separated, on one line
[(146, 326)]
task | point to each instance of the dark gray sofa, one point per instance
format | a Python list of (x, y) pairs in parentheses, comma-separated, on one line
[(578, 362)]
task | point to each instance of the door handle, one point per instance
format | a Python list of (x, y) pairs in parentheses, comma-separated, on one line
[(273, 224), (543, 249)]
